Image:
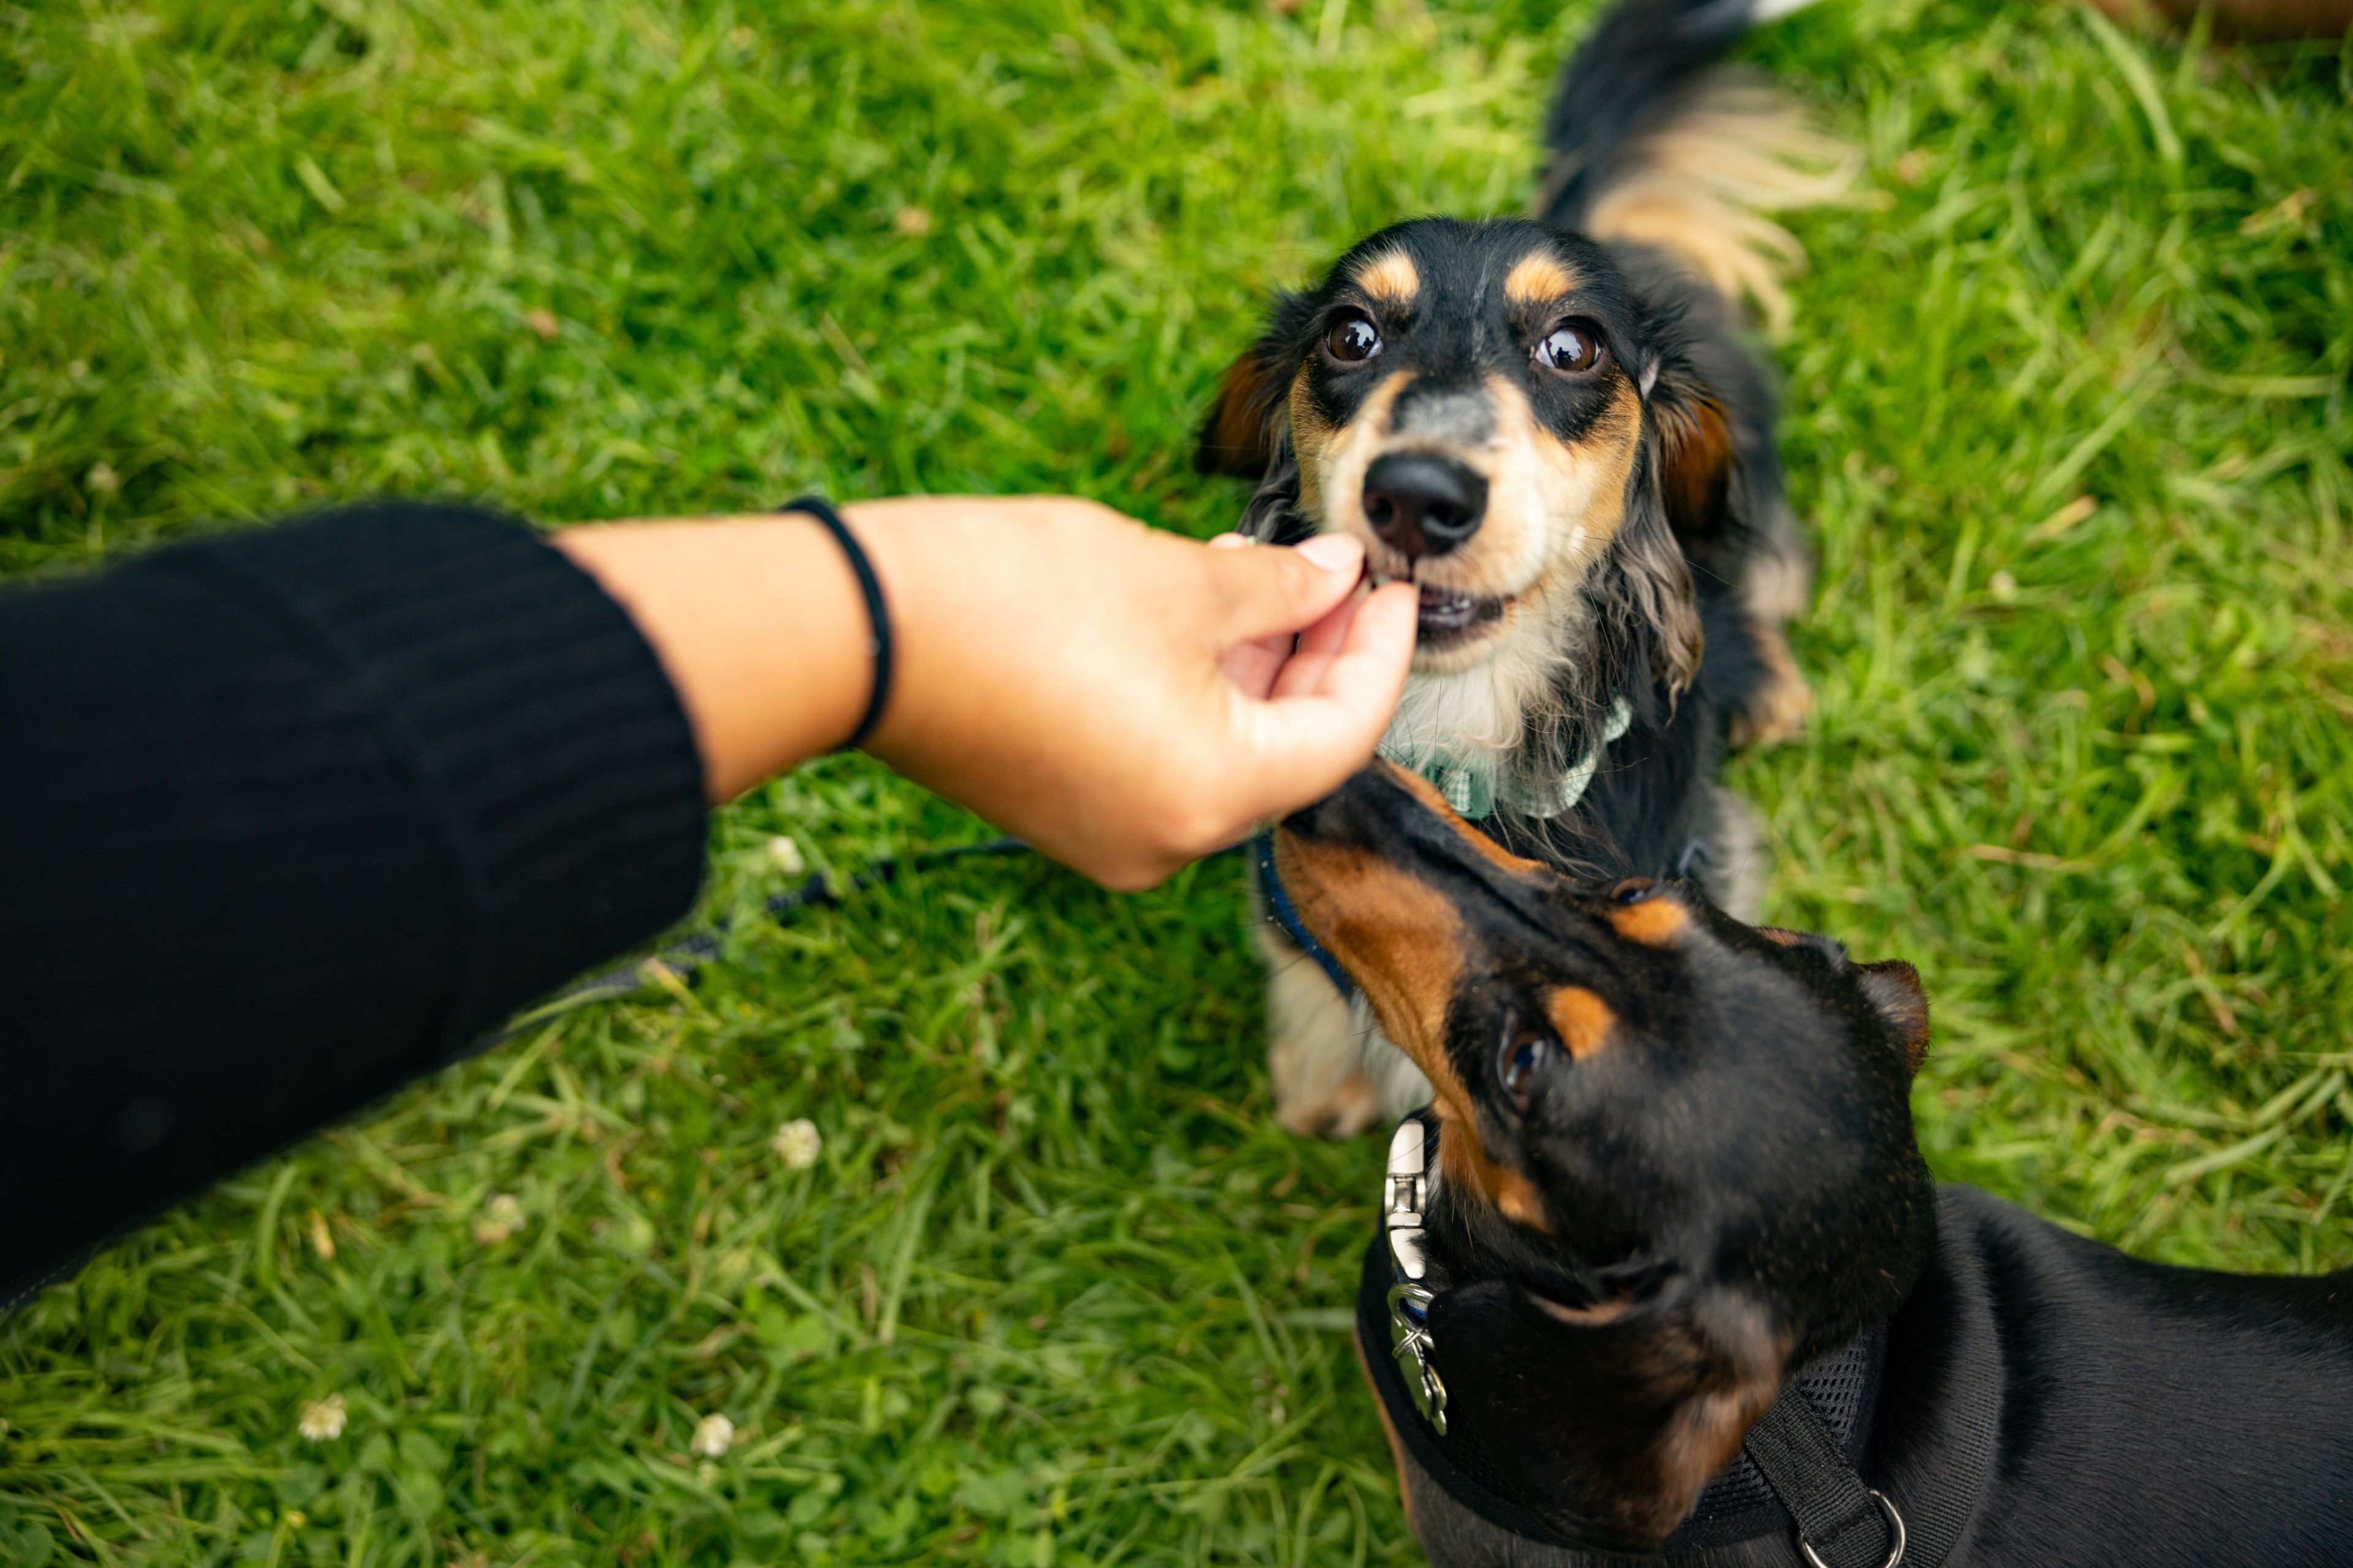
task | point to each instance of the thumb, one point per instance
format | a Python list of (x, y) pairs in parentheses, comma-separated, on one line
[(1262, 593), (1306, 744)]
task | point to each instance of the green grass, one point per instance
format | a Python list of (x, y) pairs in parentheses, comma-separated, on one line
[(1056, 1290)]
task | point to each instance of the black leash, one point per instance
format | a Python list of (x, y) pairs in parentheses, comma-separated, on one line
[(687, 954), (1930, 1495)]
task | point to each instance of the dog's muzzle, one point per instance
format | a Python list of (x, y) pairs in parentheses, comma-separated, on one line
[(1797, 1470)]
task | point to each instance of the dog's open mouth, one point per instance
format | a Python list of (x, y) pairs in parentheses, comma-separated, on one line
[(1447, 617)]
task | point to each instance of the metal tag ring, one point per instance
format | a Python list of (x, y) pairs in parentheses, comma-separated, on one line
[(1895, 1523)]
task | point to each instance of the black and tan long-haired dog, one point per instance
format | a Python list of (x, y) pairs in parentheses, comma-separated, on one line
[(1554, 426), (1676, 1161)]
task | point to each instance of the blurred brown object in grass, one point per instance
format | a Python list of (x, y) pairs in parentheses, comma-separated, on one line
[(2249, 21)]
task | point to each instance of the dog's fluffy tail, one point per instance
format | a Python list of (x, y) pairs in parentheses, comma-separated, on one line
[(1654, 144)]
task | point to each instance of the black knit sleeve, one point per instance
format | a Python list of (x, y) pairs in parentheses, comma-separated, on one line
[(288, 817)]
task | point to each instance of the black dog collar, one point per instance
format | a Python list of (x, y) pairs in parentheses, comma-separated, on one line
[(1796, 1471)]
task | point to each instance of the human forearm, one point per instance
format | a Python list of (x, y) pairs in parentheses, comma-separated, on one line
[(759, 623)]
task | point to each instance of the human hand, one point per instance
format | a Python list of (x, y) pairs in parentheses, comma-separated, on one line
[(1125, 700)]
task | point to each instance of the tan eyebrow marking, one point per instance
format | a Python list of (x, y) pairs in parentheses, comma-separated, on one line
[(1582, 1020), (1654, 922), (1390, 276), (1538, 279)]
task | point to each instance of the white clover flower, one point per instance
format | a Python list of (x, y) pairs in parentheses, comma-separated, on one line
[(500, 1218), (797, 1143), (322, 1419), (787, 854), (713, 1434)]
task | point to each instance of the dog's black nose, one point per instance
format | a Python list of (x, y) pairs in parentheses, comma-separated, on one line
[(1423, 505)]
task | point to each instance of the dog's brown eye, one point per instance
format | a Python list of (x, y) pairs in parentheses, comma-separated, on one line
[(1570, 348), (1527, 1051), (1633, 891), (1353, 339)]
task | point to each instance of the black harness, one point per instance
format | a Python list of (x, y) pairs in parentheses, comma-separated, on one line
[(1798, 1476)]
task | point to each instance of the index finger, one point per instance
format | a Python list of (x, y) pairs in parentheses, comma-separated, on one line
[(1306, 741)]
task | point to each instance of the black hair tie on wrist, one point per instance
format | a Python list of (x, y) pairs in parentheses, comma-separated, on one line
[(878, 613)]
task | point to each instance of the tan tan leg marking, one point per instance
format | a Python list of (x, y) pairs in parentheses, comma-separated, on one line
[(1314, 1055), (1777, 712)]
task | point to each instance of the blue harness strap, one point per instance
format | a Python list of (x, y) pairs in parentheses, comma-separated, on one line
[(1278, 905)]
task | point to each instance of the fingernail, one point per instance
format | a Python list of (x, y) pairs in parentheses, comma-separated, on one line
[(1232, 542), (1333, 552)]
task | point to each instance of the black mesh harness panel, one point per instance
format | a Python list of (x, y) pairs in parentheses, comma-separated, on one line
[(1815, 1444)]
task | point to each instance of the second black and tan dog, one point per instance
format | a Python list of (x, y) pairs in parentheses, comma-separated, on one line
[(1675, 1178)]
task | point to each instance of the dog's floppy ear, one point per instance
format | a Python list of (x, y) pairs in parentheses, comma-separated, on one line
[(1893, 990), (1605, 1424), (1695, 449), (1244, 434), (1239, 435), (1678, 507), (1696, 466), (1247, 432)]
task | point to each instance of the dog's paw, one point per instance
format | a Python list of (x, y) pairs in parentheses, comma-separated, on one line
[(1777, 711), (1344, 1110), (1778, 714), (1314, 1052)]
